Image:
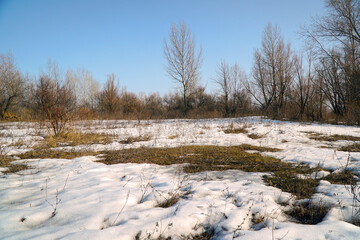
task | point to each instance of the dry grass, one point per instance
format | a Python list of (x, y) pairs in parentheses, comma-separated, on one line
[(207, 234), (351, 148), (331, 138), (308, 212), (200, 158), (173, 136), (346, 177), (255, 136), (286, 180), (235, 130), (169, 201), (131, 140), (218, 158), (74, 138), (5, 161), (46, 153)]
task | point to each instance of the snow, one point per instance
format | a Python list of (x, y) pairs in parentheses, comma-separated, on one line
[(97, 201)]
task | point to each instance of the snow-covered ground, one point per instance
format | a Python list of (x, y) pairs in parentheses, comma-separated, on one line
[(97, 201)]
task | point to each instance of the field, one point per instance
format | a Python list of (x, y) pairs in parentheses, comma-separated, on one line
[(243, 178)]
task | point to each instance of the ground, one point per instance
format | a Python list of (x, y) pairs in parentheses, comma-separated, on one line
[(106, 180)]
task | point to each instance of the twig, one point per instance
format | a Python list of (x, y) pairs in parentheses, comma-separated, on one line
[(127, 198)]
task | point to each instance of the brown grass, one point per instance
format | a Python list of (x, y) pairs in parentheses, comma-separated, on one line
[(235, 130), (331, 138), (5, 161), (74, 138), (255, 136), (218, 158), (173, 136), (55, 154), (346, 177), (308, 212), (200, 158), (351, 148), (169, 201), (130, 140)]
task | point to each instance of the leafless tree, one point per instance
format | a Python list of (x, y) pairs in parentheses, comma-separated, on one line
[(231, 81), (109, 97), (303, 83), (272, 72), (55, 101), (224, 82), (86, 87), (11, 84), (154, 105), (183, 61), (336, 37)]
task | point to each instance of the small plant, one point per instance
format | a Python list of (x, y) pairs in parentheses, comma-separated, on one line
[(56, 203), (179, 190), (239, 227), (207, 234), (121, 210)]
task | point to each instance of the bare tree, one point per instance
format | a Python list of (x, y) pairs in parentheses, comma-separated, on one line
[(240, 99), (231, 81), (336, 38), (303, 83), (183, 62), (224, 82), (272, 72), (109, 97), (55, 101), (11, 84), (86, 87)]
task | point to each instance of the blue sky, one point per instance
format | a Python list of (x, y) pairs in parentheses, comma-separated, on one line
[(126, 37)]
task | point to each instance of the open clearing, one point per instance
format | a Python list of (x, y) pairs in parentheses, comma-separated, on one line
[(244, 178)]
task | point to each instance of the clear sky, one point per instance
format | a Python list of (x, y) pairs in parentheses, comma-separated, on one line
[(126, 37)]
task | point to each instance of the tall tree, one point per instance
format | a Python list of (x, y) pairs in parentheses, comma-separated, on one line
[(183, 61), (336, 37), (224, 82), (11, 84), (109, 97), (86, 87), (230, 80), (303, 83), (272, 72)]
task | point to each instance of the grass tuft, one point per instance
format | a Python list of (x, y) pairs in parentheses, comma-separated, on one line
[(131, 140), (235, 130), (346, 177), (255, 136), (173, 136), (308, 212), (169, 201), (331, 138)]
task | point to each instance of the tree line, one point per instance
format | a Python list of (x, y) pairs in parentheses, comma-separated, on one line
[(318, 84)]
